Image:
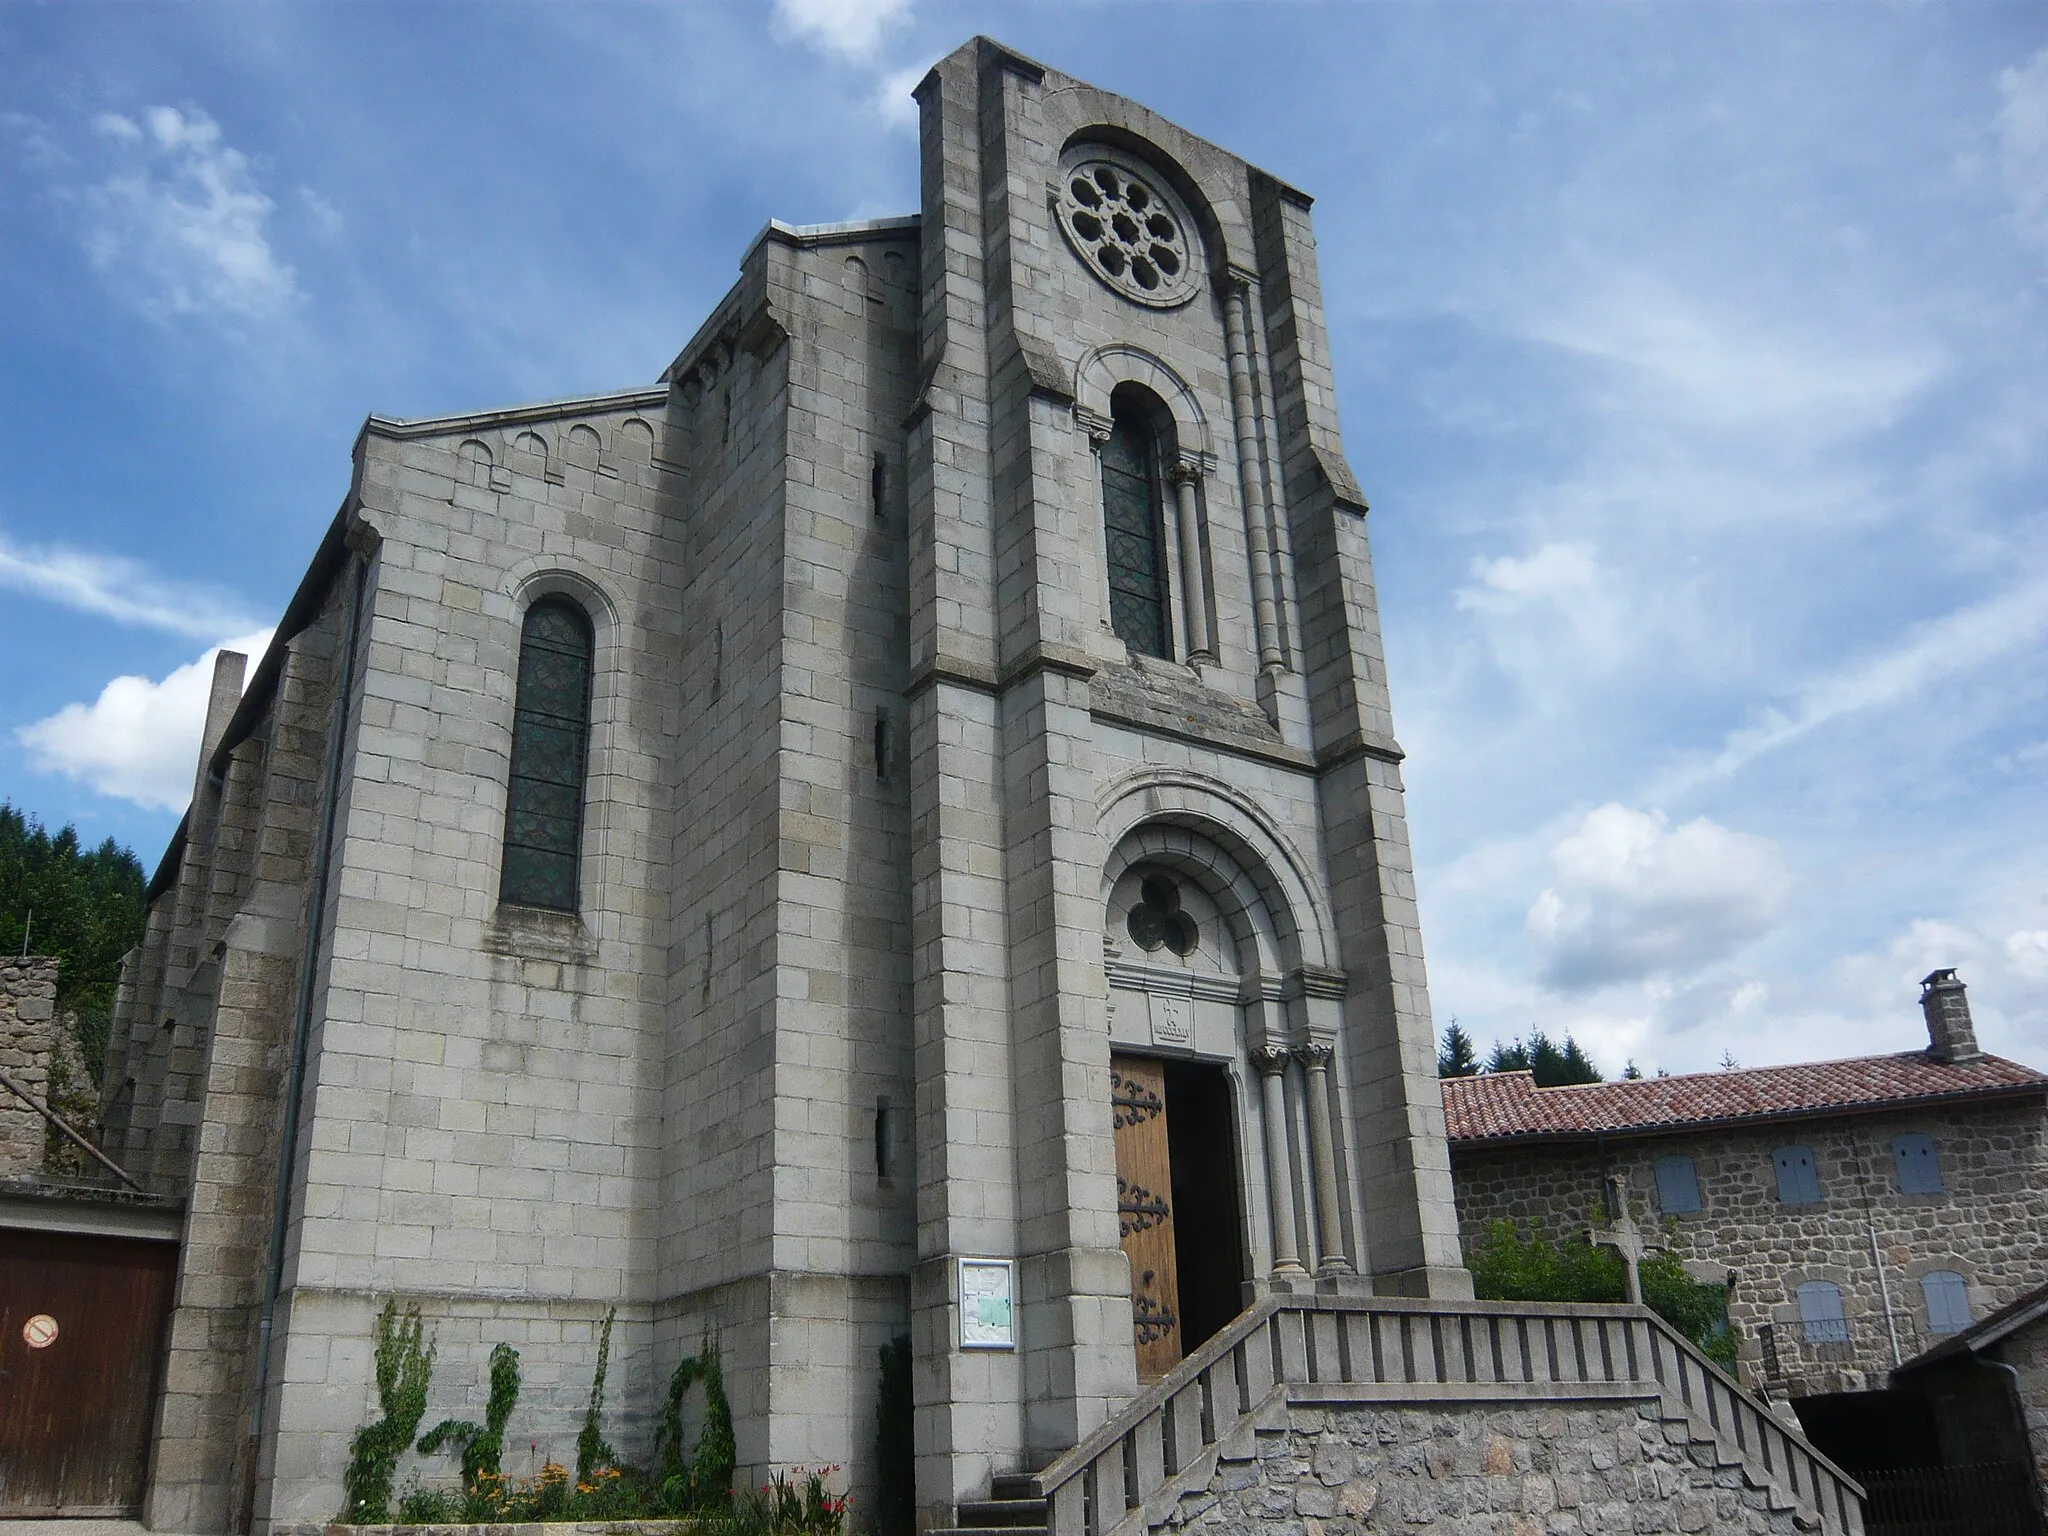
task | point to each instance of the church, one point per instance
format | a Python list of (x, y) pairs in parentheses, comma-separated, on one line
[(893, 829)]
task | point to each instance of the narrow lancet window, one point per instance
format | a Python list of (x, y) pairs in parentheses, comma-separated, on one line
[(1132, 521), (550, 745)]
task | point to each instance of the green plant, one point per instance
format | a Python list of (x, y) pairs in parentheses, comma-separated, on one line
[(1508, 1266), (1696, 1309), (793, 1504), (482, 1445), (592, 1453), (405, 1364), (895, 1445), (702, 1480)]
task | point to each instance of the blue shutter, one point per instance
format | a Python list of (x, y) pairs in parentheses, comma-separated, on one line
[(1798, 1180), (1948, 1301), (1919, 1168), (1820, 1313), (1678, 1186)]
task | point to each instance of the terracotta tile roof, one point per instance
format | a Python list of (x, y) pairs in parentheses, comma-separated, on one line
[(1498, 1106)]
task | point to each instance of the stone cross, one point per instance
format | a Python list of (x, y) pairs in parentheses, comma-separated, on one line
[(1623, 1235)]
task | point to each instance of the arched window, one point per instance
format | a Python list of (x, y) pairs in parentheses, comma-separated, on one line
[(550, 745), (1133, 524), (1820, 1313), (1919, 1168), (1678, 1186), (1798, 1181), (1948, 1301)]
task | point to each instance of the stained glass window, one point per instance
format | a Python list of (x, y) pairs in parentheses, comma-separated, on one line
[(550, 744), (1131, 531)]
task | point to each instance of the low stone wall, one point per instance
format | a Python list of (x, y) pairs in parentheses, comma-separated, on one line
[(28, 1006), (1478, 1470)]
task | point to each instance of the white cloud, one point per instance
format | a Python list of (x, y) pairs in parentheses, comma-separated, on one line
[(1721, 370), (1529, 603), (1635, 898), (2023, 139), (2027, 953), (139, 740), (184, 226), (114, 588), (326, 217), (893, 99), (1967, 638), (852, 29)]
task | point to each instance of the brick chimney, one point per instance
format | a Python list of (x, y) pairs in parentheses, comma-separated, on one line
[(1951, 1038)]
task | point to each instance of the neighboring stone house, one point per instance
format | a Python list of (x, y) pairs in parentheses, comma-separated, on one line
[(894, 828), (1988, 1387), (1857, 1209)]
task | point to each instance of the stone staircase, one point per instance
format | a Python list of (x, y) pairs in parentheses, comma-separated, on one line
[(1014, 1505), (1430, 1400)]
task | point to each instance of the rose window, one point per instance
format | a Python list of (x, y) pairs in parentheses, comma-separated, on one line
[(1130, 231)]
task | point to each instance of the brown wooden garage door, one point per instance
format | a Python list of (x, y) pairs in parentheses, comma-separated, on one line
[(81, 1329)]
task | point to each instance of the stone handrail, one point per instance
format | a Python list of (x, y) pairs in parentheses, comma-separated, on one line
[(1127, 1474)]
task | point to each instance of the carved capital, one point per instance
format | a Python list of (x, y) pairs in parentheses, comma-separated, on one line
[(1315, 1055), (1185, 471), (1094, 423), (1271, 1060)]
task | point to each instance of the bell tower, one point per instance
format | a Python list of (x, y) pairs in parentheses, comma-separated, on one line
[(1159, 855)]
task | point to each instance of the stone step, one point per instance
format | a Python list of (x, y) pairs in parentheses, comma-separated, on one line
[(1000, 1514)]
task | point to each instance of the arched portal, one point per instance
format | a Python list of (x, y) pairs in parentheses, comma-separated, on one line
[(1220, 1095)]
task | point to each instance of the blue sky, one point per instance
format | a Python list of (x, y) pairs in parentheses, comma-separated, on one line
[(1692, 357)]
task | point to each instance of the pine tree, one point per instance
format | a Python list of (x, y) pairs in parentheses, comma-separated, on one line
[(1456, 1057), (1553, 1063), (83, 906)]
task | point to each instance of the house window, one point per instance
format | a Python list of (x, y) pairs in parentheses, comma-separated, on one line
[(1133, 516), (1798, 1182), (1820, 1313), (1948, 1301), (550, 745), (1919, 1168), (1678, 1186)]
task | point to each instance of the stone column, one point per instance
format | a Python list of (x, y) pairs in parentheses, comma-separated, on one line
[(1244, 412), (1330, 1258), (1272, 1064), (1098, 429), (1194, 600)]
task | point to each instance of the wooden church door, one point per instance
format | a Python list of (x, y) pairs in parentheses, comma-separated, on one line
[(1144, 1209)]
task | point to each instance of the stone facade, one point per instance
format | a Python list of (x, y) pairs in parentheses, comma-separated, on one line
[(1989, 1223), (28, 1013), (1481, 1470), (874, 787)]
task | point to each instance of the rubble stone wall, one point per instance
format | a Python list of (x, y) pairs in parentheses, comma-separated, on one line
[(28, 1008), (1480, 1470)]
